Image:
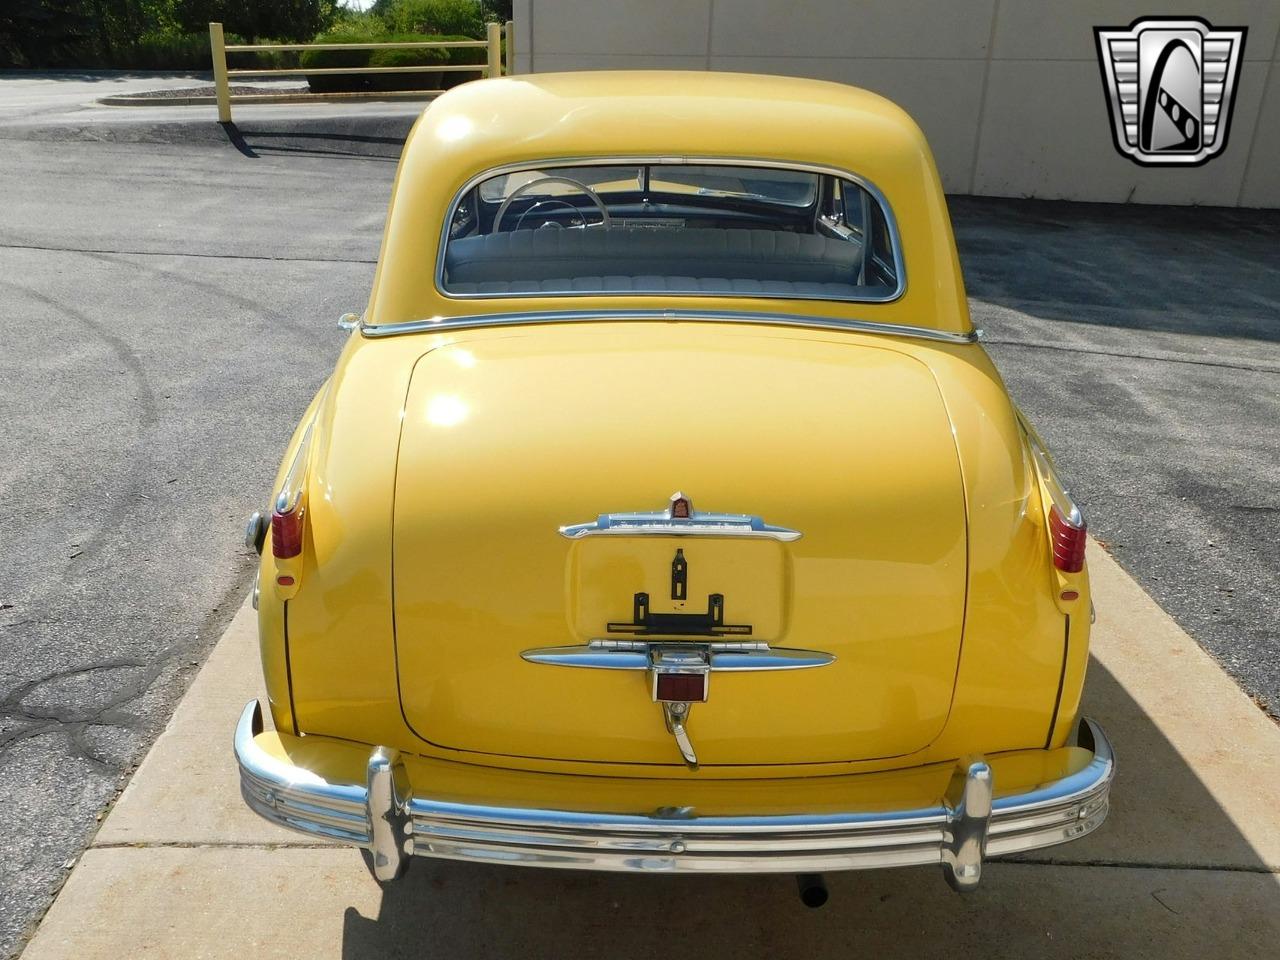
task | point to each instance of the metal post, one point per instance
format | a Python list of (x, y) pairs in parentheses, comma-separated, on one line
[(218, 48), (511, 47), (493, 34)]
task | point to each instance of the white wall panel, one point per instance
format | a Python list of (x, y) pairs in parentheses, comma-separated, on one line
[(1008, 91)]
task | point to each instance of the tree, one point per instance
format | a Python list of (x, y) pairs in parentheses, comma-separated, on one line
[(44, 33), (295, 20), (443, 17)]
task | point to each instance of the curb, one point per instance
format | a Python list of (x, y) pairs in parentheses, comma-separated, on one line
[(380, 130), (388, 96)]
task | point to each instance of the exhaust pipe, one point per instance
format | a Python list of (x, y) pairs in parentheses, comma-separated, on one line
[(813, 889)]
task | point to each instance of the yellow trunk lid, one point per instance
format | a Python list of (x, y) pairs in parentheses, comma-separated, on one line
[(506, 439)]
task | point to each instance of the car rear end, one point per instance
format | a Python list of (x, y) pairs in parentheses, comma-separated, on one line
[(663, 514)]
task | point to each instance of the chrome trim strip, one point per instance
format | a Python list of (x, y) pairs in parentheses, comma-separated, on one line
[(662, 523), (724, 658), (290, 494), (437, 324), (948, 835), (1044, 464), (640, 159)]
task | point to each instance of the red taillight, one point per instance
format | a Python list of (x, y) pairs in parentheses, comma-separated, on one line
[(1068, 541), (286, 533)]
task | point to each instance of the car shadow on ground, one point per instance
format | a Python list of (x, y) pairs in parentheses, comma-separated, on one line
[(1111, 894), (1188, 270)]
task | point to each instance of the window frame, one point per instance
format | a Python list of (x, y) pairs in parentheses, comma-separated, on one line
[(895, 238)]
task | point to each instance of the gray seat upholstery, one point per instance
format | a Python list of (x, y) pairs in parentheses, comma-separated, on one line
[(642, 259)]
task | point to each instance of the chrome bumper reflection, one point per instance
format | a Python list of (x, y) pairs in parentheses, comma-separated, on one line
[(384, 817)]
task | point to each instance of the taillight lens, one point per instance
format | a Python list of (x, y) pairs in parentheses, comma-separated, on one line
[(286, 533), (287, 517), (1069, 538), (1067, 533)]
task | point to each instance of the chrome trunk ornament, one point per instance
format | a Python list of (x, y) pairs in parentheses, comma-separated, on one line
[(675, 715)]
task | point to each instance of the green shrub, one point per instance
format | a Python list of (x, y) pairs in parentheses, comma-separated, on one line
[(407, 58), (463, 55), (160, 50), (351, 82), (264, 59)]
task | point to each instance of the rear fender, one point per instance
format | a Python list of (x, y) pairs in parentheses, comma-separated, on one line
[(1012, 661)]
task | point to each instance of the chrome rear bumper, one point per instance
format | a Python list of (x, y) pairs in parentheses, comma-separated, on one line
[(384, 817)]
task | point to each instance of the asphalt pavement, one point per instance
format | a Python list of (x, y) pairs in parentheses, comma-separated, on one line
[(1145, 344), (1186, 866), (167, 313), (168, 309)]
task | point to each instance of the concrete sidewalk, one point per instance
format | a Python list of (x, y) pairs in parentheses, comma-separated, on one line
[(1187, 865)]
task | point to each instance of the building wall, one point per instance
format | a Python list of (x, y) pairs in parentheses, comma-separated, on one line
[(1008, 91)]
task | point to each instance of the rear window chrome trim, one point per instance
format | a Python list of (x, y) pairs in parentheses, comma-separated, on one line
[(598, 161), (523, 318)]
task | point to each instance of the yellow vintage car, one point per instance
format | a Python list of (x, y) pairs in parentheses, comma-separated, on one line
[(664, 514)]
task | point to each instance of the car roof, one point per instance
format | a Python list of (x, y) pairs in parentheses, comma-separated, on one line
[(696, 115)]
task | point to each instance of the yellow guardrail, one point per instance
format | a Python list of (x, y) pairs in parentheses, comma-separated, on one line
[(222, 77)]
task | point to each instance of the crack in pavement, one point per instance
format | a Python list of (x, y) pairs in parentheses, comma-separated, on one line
[(11, 705), (148, 417), (1143, 865), (1154, 358), (248, 303), (71, 723)]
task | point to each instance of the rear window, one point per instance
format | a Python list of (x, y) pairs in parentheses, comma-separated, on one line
[(655, 228)]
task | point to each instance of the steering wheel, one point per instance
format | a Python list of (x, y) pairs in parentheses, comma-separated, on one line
[(567, 181), (552, 202)]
